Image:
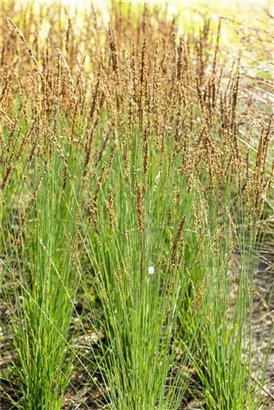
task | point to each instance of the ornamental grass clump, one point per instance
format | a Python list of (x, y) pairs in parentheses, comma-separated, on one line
[(131, 210)]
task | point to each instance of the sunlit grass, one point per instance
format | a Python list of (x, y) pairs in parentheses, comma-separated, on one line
[(136, 177)]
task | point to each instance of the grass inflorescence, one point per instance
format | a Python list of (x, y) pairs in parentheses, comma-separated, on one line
[(136, 173)]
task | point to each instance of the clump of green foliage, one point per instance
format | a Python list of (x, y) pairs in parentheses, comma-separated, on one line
[(130, 211)]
